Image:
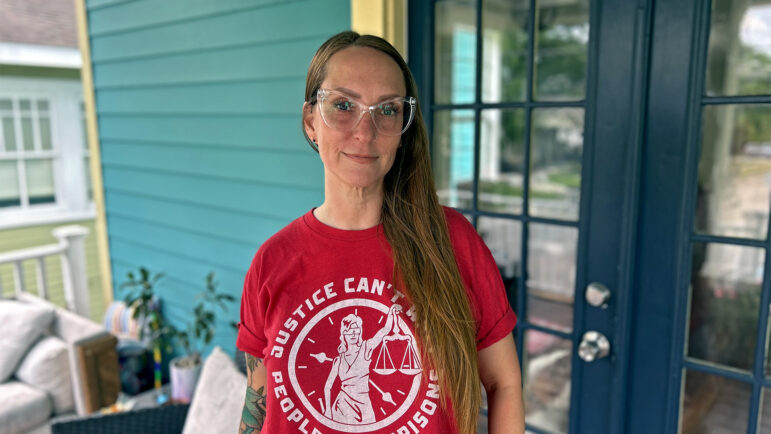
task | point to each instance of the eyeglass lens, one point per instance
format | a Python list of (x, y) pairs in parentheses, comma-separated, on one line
[(390, 117)]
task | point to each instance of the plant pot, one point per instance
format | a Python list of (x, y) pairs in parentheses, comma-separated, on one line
[(184, 377)]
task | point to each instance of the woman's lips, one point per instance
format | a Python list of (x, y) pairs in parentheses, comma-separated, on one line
[(361, 159)]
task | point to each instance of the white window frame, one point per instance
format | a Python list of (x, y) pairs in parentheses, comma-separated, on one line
[(67, 137)]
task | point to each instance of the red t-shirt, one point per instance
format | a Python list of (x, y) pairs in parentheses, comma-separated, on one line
[(337, 339)]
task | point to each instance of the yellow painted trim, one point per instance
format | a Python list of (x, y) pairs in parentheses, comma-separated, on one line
[(87, 78), (384, 18)]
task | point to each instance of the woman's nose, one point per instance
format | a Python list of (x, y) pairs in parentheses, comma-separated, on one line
[(366, 130)]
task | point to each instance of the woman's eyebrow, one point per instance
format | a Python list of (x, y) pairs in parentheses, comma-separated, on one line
[(356, 95)]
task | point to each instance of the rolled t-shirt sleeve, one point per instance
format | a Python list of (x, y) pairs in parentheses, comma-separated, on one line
[(494, 317), (251, 328)]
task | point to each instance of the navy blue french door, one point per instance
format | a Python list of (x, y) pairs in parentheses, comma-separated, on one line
[(535, 113), (698, 359), (614, 155)]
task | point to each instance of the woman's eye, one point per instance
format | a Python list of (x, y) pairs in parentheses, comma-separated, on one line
[(389, 109), (344, 105)]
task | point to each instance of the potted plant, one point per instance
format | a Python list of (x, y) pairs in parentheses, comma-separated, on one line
[(154, 332), (185, 369)]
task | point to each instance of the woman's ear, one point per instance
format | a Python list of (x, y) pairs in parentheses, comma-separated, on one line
[(310, 129)]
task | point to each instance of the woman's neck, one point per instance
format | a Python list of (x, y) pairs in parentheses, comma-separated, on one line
[(350, 209)]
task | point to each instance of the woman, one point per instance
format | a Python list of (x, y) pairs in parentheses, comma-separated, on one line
[(380, 239)]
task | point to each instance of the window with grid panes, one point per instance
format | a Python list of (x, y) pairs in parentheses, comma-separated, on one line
[(27, 154), (44, 159)]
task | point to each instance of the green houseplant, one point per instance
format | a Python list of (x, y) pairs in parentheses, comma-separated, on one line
[(156, 332), (153, 329), (198, 333)]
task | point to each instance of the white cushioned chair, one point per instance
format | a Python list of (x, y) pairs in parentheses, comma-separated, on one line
[(52, 363)]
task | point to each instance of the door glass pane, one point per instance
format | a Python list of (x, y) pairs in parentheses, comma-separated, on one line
[(453, 157), (739, 59), (504, 239), (504, 61), (555, 162), (725, 303), (551, 275), (768, 355), (764, 424), (502, 160), (562, 37), (735, 171), (547, 381), (713, 404), (40, 181), (455, 51), (9, 184), (9, 133)]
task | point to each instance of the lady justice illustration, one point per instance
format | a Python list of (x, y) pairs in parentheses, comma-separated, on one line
[(352, 366)]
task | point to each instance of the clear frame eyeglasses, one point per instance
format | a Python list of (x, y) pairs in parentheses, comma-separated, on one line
[(342, 112)]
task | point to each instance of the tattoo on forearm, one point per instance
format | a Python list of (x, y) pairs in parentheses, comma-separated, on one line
[(253, 415)]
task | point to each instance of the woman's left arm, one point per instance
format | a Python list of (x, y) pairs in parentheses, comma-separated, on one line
[(501, 378)]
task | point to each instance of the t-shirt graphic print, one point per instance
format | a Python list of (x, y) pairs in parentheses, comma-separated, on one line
[(355, 366), (337, 338)]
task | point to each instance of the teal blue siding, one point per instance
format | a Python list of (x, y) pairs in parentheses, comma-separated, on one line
[(291, 168), (259, 25), (264, 132), (198, 105), (137, 14), (268, 97)]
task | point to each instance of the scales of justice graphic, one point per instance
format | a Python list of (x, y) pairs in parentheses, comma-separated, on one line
[(384, 362), (389, 349)]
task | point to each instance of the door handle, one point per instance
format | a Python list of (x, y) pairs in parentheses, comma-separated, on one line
[(594, 345)]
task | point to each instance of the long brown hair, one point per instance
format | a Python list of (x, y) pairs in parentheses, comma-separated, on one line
[(415, 226)]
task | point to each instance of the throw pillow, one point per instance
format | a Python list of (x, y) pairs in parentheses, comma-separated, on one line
[(218, 400), (47, 367), (22, 324)]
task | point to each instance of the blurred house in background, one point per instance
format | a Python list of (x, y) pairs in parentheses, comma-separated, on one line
[(45, 180)]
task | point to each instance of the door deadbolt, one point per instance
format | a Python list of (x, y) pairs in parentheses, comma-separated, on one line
[(597, 295)]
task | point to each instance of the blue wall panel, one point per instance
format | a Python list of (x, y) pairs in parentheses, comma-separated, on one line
[(210, 32), (236, 131), (301, 169), (274, 97), (198, 105)]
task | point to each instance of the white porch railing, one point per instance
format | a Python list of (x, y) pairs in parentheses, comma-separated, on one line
[(71, 250)]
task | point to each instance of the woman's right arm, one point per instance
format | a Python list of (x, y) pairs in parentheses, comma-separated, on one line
[(253, 415)]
